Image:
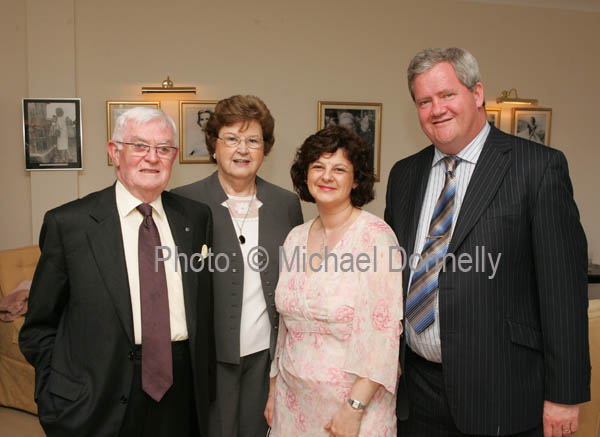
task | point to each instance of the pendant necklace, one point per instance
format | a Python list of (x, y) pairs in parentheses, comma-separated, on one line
[(240, 228), (341, 229)]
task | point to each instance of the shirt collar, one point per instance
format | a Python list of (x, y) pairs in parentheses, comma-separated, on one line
[(127, 202), (471, 152)]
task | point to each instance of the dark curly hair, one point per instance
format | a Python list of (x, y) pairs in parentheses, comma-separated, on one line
[(235, 109), (328, 140)]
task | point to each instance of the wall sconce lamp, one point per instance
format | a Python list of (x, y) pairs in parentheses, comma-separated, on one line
[(506, 97), (167, 87)]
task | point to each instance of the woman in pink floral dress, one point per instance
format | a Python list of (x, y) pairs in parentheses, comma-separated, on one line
[(339, 297)]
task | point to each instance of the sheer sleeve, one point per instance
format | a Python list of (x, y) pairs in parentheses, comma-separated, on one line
[(281, 283), (373, 348)]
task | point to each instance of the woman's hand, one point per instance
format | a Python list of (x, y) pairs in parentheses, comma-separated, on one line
[(345, 423), (270, 402)]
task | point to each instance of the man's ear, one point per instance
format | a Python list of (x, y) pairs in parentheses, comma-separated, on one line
[(113, 151), (478, 94)]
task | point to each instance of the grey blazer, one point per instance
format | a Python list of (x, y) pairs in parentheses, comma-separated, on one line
[(279, 213)]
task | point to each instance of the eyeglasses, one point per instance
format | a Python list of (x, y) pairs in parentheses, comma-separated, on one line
[(230, 140), (142, 149)]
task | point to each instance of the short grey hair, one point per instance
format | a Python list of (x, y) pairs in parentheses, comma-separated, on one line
[(141, 115), (464, 63)]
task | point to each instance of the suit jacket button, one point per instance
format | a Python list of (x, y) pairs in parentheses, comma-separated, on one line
[(275, 327), (123, 399), (131, 355), (268, 282)]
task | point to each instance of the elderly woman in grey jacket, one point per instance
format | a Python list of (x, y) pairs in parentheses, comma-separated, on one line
[(251, 219)]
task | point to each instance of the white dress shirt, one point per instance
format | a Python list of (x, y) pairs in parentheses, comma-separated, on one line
[(427, 344), (131, 219)]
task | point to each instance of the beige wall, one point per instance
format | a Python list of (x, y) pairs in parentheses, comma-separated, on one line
[(15, 192), (294, 56)]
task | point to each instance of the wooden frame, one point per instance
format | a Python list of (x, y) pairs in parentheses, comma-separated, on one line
[(114, 108), (532, 123), (193, 115), (362, 118), (52, 134), (493, 116)]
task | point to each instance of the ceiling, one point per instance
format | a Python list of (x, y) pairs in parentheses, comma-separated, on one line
[(572, 5)]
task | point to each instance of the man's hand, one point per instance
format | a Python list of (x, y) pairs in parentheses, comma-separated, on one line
[(560, 420)]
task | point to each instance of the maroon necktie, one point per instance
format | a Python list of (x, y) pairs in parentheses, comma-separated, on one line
[(157, 361)]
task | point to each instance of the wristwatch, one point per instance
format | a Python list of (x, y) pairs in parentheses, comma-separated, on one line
[(356, 404)]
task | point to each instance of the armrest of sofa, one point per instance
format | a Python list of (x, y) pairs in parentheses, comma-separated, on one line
[(16, 374), (589, 413)]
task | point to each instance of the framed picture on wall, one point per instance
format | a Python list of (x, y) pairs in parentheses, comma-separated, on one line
[(52, 134), (362, 118), (193, 116), (493, 116), (116, 108), (532, 123)]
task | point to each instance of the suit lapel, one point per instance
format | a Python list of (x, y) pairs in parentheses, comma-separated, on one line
[(489, 172), (183, 231), (223, 223), (265, 214), (106, 243), (419, 177)]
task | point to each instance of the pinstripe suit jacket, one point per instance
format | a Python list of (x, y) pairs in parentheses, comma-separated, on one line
[(511, 341)]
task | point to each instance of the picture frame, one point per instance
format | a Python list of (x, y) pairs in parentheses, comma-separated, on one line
[(114, 108), (493, 116), (534, 124), (52, 134), (193, 116), (363, 118)]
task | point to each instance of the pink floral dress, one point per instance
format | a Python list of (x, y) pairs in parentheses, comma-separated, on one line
[(335, 325)]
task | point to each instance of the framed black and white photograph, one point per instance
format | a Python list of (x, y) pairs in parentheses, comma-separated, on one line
[(193, 116), (362, 118), (532, 123), (52, 134), (493, 116), (116, 108)]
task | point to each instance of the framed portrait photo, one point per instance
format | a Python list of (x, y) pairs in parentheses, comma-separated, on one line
[(532, 123), (52, 134), (193, 116), (362, 118), (493, 116), (116, 108)]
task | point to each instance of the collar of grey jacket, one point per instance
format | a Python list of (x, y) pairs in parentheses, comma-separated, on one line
[(220, 196)]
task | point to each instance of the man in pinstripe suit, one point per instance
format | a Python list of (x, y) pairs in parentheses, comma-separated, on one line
[(503, 346)]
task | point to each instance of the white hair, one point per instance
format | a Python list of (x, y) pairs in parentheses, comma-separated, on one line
[(141, 115)]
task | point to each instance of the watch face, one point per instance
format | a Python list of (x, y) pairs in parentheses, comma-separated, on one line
[(356, 404)]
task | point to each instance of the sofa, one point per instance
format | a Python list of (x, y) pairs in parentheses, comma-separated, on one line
[(16, 374), (589, 414)]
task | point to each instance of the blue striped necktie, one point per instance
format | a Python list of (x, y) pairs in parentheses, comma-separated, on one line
[(420, 310)]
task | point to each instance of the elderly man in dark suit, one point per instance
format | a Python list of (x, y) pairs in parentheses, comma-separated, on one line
[(123, 344), (496, 300)]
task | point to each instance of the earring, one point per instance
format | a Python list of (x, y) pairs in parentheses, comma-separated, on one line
[(214, 155)]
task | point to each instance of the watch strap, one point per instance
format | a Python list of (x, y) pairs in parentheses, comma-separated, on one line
[(356, 404)]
